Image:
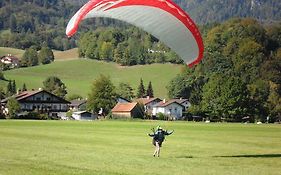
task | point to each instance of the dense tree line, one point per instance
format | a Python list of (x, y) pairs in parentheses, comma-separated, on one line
[(24, 23), (32, 57), (239, 76), (31, 22), (126, 47), (104, 94)]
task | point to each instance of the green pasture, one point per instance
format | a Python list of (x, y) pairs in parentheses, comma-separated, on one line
[(78, 75), (14, 52), (122, 147)]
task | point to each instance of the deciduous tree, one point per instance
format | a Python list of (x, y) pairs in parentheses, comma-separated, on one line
[(126, 91), (102, 95), (54, 85), (13, 108)]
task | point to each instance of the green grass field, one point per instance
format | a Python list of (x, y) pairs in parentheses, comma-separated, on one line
[(78, 75), (15, 52), (71, 54), (122, 147)]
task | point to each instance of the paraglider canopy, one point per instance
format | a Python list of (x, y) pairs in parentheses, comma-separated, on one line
[(161, 18)]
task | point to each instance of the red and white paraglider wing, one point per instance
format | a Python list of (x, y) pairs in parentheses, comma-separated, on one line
[(161, 18)]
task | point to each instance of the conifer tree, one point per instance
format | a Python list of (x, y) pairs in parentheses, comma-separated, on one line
[(149, 91), (141, 90), (14, 87), (24, 87), (9, 89)]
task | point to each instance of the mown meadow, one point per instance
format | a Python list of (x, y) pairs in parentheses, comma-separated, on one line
[(123, 147), (78, 75)]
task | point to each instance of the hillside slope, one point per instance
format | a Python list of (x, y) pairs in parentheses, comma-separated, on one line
[(78, 75)]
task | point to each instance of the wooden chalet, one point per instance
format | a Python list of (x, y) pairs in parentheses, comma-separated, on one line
[(41, 101)]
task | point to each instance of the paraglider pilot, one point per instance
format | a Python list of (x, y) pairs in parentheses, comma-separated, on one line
[(158, 138)]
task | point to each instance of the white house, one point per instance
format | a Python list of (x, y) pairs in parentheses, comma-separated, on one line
[(83, 115), (148, 103), (183, 102), (171, 108)]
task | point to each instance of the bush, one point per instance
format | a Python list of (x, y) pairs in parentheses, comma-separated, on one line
[(2, 116), (32, 116), (161, 116)]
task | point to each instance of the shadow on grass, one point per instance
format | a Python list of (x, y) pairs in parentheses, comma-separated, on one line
[(184, 157), (254, 156)]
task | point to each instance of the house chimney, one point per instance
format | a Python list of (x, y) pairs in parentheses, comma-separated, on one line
[(181, 98), (164, 101), (147, 97), (40, 89)]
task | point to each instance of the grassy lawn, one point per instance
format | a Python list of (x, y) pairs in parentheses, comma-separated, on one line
[(122, 147), (78, 75)]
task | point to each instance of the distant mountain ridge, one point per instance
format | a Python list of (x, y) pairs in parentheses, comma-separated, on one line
[(208, 11)]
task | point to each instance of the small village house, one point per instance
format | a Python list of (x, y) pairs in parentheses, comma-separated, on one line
[(78, 105), (10, 61), (184, 102), (148, 103), (41, 101), (170, 108), (127, 110)]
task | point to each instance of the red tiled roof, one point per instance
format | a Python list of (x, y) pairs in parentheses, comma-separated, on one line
[(162, 104), (26, 94), (146, 100), (22, 95), (124, 107)]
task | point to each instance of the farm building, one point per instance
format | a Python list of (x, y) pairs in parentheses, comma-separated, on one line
[(170, 108), (83, 115), (127, 110), (41, 101)]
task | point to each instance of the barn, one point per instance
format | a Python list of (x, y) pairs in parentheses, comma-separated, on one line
[(127, 110)]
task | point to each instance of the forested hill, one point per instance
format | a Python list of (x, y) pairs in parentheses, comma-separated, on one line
[(207, 11), (24, 23)]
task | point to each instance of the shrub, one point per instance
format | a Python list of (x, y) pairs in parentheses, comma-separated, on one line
[(161, 116)]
